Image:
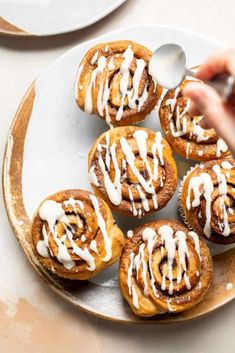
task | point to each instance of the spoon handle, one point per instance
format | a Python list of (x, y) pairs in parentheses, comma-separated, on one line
[(224, 84)]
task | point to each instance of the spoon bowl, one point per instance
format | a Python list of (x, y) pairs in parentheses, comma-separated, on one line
[(168, 65), (168, 68)]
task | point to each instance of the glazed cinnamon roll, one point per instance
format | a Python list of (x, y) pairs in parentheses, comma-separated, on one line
[(184, 132), (74, 235), (207, 200), (114, 83), (164, 267), (133, 170)]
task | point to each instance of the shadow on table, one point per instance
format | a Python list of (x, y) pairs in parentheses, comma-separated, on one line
[(206, 334)]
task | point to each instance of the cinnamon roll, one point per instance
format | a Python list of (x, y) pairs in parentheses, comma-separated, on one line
[(164, 267), (133, 170), (207, 200), (74, 235), (114, 83), (184, 132)]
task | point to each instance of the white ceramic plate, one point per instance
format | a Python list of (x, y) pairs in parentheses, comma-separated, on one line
[(48, 17), (47, 152)]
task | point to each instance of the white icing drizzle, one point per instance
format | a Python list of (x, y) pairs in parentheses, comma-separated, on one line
[(133, 95), (221, 147), (42, 249), (163, 94), (138, 261), (102, 225), (155, 203), (100, 106), (130, 158), (171, 243), (111, 65), (93, 246), (200, 153), (73, 203), (104, 91), (129, 273), (134, 210), (149, 236), (141, 137), (102, 100), (204, 180), (159, 146), (195, 238), (198, 131), (88, 98), (222, 185), (84, 254), (135, 297), (176, 129), (155, 160), (80, 69), (167, 239), (107, 117), (226, 165), (114, 188), (229, 286), (187, 282), (92, 176), (179, 132), (130, 233), (124, 72), (143, 98), (188, 150), (170, 308), (145, 202), (51, 212), (172, 102), (95, 57)]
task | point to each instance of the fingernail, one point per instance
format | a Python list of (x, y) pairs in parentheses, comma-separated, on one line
[(204, 123)]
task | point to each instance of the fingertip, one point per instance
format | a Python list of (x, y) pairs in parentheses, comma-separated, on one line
[(192, 90), (204, 123), (193, 109)]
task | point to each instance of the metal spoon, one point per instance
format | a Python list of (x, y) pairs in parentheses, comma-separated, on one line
[(168, 68)]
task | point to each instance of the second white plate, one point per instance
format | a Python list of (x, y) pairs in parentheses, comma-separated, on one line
[(49, 17)]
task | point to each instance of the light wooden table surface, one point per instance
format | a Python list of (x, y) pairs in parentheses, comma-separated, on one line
[(32, 318)]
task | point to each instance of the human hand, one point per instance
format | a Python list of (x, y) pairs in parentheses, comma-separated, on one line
[(206, 101)]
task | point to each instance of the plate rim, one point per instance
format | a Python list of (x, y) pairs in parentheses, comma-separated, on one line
[(43, 274)]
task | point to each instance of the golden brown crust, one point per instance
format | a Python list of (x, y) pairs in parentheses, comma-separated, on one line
[(109, 76), (87, 226), (164, 186), (194, 143), (152, 298), (196, 217)]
